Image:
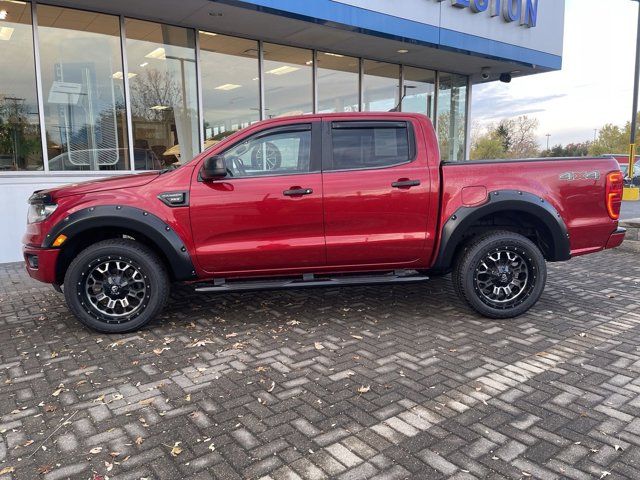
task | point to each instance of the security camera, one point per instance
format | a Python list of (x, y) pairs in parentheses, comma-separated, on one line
[(485, 73), (505, 78)]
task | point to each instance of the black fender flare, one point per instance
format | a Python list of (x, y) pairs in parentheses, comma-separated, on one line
[(501, 201), (135, 220)]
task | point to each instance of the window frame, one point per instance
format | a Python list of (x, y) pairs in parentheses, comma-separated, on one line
[(315, 150), (327, 134)]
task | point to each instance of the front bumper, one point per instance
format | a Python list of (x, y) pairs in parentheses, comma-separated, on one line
[(41, 263), (616, 238)]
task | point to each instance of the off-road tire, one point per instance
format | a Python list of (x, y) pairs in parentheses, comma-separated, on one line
[(468, 274), (152, 281)]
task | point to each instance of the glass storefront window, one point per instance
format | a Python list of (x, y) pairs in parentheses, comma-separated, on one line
[(83, 90), (452, 116), (161, 61), (20, 144), (381, 86), (287, 80), (419, 91), (338, 78), (230, 84)]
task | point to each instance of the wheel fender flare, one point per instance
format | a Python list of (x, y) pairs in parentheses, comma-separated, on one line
[(497, 201), (135, 220)]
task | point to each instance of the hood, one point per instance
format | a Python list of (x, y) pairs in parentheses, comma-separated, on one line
[(110, 183)]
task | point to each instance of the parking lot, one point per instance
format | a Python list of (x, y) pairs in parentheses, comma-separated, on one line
[(362, 382)]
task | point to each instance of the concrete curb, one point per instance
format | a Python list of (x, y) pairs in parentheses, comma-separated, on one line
[(632, 238)]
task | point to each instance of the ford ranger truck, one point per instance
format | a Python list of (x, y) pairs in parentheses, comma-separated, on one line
[(337, 199)]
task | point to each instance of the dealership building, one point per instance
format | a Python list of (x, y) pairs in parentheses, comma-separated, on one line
[(93, 88)]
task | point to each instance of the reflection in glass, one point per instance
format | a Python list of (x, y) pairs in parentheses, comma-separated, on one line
[(381, 85), (82, 83), (452, 116), (230, 84), (20, 144), (287, 80), (338, 78), (419, 91), (162, 81)]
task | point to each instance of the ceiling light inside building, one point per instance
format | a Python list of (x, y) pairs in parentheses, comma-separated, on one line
[(3, 14), (211, 34), (334, 55), (144, 64), (228, 86), (5, 33), (403, 50), (120, 75), (283, 70), (17, 2), (158, 53), (160, 107)]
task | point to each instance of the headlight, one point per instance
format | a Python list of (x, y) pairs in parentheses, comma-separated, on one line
[(39, 212)]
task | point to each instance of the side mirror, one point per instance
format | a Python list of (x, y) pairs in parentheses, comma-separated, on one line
[(213, 168)]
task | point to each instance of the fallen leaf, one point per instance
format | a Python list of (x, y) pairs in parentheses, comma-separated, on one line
[(199, 343), (95, 450), (617, 447), (6, 470), (54, 354), (176, 450), (27, 443), (50, 408), (139, 440), (147, 401), (58, 391), (605, 474), (44, 469), (114, 454), (293, 322), (231, 335), (212, 447), (273, 385), (261, 369), (318, 346), (109, 466), (357, 337), (188, 397), (364, 389), (158, 351)]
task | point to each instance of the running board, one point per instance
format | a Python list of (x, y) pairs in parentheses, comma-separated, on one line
[(309, 280)]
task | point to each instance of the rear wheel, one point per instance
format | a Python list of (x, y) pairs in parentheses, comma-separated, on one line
[(116, 286), (500, 274)]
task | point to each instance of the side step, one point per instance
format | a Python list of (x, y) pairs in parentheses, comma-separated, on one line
[(310, 280)]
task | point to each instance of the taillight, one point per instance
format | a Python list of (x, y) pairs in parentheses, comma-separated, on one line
[(613, 198)]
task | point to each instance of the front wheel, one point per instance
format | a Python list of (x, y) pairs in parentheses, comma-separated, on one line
[(116, 286), (500, 275)]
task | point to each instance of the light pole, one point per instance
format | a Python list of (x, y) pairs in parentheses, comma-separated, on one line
[(636, 87), (548, 137)]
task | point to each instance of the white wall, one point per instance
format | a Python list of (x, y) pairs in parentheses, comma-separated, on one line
[(14, 192)]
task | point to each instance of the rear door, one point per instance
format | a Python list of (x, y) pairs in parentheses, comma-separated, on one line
[(376, 192)]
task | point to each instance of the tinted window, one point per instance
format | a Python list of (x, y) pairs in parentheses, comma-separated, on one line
[(369, 147), (277, 153)]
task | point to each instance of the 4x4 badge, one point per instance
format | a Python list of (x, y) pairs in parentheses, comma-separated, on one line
[(571, 176)]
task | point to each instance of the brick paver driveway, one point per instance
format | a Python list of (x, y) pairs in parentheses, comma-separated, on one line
[(364, 382)]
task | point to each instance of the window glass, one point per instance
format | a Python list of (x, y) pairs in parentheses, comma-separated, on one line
[(164, 102), (355, 148), (381, 85), (20, 144), (452, 116), (338, 78), (83, 90), (287, 80), (278, 153), (230, 85), (419, 91)]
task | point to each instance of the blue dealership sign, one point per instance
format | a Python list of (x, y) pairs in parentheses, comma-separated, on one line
[(524, 11)]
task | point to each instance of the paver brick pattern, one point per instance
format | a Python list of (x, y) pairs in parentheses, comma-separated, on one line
[(385, 382)]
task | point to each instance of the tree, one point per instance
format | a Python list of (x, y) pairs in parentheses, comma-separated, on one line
[(511, 138), (570, 150), (613, 139)]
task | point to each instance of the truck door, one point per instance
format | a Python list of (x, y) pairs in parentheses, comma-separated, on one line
[(376, 193), (266, 215)]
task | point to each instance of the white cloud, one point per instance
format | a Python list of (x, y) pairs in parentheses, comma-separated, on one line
[(594, 87)]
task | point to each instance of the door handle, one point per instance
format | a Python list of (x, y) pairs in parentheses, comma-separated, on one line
[(405, 183), (294, 192)]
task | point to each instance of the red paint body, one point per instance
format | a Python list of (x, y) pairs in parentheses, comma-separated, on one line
[(353, 221)]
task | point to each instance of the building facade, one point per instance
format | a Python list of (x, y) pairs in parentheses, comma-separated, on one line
[(94, 88)]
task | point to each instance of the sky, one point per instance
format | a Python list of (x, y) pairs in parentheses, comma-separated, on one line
[(594, 87)]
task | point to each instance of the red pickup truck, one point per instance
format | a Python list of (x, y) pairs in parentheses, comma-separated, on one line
[(316, 200)]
